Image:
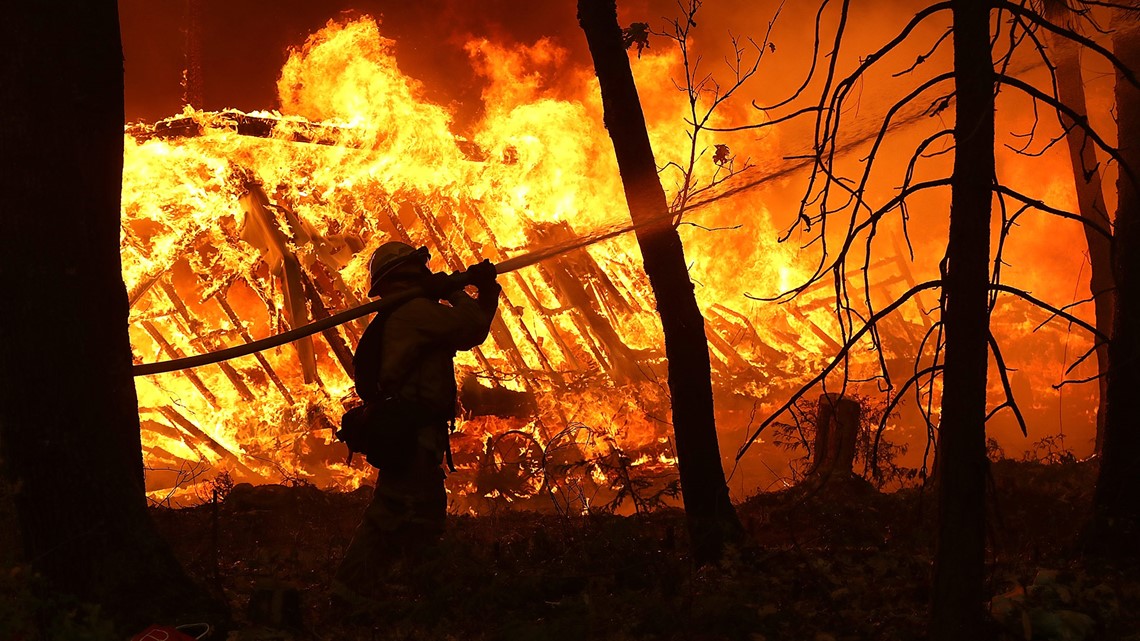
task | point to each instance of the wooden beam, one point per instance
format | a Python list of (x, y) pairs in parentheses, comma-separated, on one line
[(173, 352), (205, 344)]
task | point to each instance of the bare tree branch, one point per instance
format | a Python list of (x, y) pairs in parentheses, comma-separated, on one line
[(1088, 43), (1024, 295), (1003, 372), (811, 71), (851, 342), (1080, 120), (1060, 213)]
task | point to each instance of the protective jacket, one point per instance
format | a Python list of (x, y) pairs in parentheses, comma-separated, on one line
[(413, 356)]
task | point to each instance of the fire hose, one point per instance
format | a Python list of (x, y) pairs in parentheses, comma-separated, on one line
[(457, 279)]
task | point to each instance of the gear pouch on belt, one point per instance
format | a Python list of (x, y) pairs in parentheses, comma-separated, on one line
[(384, 431)]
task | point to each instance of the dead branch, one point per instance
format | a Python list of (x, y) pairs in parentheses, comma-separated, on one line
[(1003, 373), (1069, 34), (923, 57), (1078, 119), (1061, 213), (840, 357), (811, 70), (1026, 296), (696, 85), (893, 403)]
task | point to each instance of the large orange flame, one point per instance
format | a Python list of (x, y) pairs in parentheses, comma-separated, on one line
[(228, 237)]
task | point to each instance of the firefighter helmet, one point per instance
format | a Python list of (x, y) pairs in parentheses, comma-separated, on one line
[(388, 257)]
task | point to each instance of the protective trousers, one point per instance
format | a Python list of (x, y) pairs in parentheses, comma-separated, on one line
[(406, 516)]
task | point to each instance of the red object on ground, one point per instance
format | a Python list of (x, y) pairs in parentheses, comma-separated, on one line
[(162, 633)]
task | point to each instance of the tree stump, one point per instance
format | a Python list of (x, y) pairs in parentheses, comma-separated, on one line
[(836, 429)]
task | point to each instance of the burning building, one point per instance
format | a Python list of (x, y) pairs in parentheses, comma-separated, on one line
[(240, 225)]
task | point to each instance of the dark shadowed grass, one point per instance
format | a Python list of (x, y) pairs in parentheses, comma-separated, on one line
[(843, 563)]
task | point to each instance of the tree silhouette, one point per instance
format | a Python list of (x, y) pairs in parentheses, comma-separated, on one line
[(69, 427), (841, 220), (711, 517), (1062, 56), (1116, 503)]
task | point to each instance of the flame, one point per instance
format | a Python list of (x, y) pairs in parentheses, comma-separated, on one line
[(228, 236)]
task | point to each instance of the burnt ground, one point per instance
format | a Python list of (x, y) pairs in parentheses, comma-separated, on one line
[(845, 563)]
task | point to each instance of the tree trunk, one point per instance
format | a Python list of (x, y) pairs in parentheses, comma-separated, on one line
[(959, 591), (711, 517), (836, 433), (1116, 503), (1090, 193), (69, 427)]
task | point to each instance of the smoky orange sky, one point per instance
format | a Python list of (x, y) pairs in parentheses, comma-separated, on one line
[(244, 43)]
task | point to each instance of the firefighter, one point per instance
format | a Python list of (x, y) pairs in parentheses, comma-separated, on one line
[(410, 359)]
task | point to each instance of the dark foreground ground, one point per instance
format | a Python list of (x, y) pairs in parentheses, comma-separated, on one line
[(844, 564)]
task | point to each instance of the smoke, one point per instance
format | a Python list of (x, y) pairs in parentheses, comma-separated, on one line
[(244, 44)]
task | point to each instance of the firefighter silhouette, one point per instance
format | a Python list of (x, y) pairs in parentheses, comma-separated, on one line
[(405, 359)]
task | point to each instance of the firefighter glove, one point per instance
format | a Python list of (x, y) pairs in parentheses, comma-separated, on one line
[(441, 285), (482, 274)]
